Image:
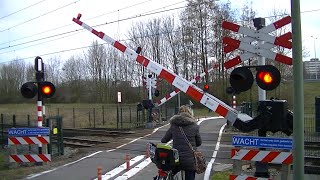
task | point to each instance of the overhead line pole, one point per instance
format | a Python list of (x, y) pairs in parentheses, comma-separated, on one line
[(298, 98)]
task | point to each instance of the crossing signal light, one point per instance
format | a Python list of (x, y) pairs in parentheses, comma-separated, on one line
[(268, 77), (28, 90), (241, 79), (206, 88), (47, 89)]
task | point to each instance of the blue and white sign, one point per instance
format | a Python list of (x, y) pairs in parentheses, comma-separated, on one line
[(262, 142), (28, 131)]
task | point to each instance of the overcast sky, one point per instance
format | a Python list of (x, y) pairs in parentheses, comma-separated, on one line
[(18, 29)]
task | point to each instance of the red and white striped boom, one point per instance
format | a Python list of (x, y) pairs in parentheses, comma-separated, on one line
[(177, 91), (182, 84)]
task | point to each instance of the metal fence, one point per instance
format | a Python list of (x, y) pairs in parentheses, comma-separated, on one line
[(97, 116)]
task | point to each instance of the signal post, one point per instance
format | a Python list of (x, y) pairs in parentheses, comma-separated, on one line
[(43, 89), (262, 168), (273, 115)]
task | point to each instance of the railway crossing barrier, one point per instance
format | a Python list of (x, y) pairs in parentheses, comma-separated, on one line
[(235, 118), (177, 91), (28, 136), (280, 156)]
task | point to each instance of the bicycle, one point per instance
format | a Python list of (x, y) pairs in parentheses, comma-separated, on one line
[(165, 158)]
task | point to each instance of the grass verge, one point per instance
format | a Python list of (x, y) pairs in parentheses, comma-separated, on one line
[(223, 175)]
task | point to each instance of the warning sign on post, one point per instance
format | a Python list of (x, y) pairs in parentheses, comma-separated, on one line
[(262, 142)]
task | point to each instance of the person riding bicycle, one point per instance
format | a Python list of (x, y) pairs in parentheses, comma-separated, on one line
[(185, 120)]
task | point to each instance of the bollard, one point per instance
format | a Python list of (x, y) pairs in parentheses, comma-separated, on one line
[(128, 162), (99, 169)]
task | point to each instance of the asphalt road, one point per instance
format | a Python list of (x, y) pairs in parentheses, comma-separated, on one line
[(113, 161)]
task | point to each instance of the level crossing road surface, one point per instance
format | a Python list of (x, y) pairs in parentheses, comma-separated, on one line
[(113, 165)]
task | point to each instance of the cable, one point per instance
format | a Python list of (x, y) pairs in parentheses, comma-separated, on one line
[(127, 7), (141, 15), (21, 9), (132, 17), (41, 39), (39, 16), (83, 47), (40, 43), (137, 16), (118, 10)]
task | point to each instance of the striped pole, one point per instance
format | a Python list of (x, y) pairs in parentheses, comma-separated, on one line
[(39, 66), (234, 102), (39, 112), (177, 91)]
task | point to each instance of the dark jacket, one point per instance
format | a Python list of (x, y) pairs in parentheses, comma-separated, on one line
[(191, 129)]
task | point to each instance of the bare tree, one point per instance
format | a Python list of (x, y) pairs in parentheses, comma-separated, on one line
[(73, 76), (53, 70), (95, 59), (12, 76)]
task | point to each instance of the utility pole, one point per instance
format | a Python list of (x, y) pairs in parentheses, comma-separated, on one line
[(298, 97)]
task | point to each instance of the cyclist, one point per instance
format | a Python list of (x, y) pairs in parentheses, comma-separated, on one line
[(185, 120)]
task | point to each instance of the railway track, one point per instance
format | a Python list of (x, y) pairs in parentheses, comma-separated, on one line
[(94, 132), (81, 142), (312, 162)]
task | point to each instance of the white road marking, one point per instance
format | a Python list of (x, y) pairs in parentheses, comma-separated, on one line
[(147, 161), (134, 140), (54, 169), (142, 164), (121, 168), (45, 172), (214, 155), (134, 170)]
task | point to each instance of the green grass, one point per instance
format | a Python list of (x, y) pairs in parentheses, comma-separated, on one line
[(223, 175), (203, 112), (3, 157)]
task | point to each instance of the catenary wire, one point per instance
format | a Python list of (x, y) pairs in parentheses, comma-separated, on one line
[(106, 43), (21, 9), (24, 22), (49, 30), (107, 23), (123, 9)]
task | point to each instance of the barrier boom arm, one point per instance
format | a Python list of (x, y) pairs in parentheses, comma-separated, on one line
[(241, 121), (177, 91)]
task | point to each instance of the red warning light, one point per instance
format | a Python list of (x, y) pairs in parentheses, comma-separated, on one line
[(206, 87), (266, 77)]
